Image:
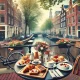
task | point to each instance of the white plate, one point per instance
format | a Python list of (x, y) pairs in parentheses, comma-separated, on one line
[(49, 66), (38, 62), (21, 65), (59, 67)]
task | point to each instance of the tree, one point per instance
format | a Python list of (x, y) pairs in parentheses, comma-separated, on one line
[(31, 12), (47, 25), (46, 4)]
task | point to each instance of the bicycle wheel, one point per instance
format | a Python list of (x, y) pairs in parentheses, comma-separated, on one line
[(13, 58)]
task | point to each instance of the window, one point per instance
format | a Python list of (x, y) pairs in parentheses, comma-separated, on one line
[(69, 30), (73, 30), (8, 10), (12, 21), (78, 8), (78, 18), (1, 18), (78, 27), (61, 25), (73, 20), (2, 27), (1, 6), (8, 19), (69, 20), (12, 12), (62, 11), (64, 24), (64, 18)]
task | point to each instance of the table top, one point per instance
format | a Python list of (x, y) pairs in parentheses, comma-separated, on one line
[(52, 74)]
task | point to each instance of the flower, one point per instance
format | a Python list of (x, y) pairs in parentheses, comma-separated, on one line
[(15, 43), (41, 46), (63, 41)]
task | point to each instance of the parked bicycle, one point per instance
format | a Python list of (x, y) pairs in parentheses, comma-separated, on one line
[(12, 58)]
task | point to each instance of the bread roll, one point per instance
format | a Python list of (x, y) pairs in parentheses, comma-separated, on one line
[(40, 68)]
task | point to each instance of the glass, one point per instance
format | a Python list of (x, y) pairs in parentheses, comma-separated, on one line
[(36, 56)]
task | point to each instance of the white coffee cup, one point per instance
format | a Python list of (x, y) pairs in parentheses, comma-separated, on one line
[(50, 64)]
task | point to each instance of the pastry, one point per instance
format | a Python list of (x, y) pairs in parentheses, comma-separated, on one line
[(25, 57), (26, 70), (28, 67), (61, 58), (33, 72), (31, 66), (21, 62), (40, 68)]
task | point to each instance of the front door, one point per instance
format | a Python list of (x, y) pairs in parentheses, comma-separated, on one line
[(2, 35)]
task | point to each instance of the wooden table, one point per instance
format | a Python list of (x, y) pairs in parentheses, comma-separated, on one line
[(48, 76)]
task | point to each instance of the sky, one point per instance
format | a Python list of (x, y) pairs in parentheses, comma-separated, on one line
[(45, 13)]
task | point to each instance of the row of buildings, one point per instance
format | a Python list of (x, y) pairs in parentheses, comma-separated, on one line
[(67, 21), (10, 19)]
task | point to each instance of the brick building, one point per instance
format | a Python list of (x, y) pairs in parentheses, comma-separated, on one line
[(7, 19), (73, 19), (63, 21), (56, 23)]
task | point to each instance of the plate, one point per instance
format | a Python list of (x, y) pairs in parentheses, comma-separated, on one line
[(65, 60), (37, 62), (63, 69), (49, 66), (21, 65)]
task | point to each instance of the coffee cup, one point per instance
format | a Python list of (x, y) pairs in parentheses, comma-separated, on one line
[(50, 64)]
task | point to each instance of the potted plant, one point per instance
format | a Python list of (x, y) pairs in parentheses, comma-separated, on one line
[(63, 43), (16, 44)]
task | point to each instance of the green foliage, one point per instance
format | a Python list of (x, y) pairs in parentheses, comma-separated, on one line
[(31, 12), (46, 4), (47, 25)]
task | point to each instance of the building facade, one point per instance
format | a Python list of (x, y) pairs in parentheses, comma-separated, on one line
[(7, 18), (63, 22), (56, 23), (73, 19)]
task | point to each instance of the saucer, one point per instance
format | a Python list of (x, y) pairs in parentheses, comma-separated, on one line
[(36, 62), (52, 66)]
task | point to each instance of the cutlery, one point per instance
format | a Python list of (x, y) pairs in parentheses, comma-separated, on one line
[(59, 72), (56, 74), (51, 73)]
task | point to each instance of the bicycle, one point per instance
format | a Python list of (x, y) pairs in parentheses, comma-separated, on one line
[(13, 57)]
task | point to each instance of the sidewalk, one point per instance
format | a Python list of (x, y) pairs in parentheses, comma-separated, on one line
[(5, 70)]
